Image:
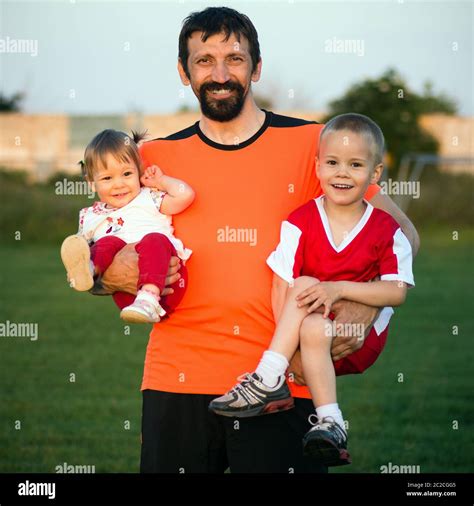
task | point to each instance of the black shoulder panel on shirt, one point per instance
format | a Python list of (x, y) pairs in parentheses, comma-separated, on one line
[(280, 121), (182, 134)]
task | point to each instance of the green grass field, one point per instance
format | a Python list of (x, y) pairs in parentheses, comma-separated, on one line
[(409, 422)]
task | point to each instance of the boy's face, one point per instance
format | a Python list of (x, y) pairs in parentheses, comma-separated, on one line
[(345, 166), (117, 183)]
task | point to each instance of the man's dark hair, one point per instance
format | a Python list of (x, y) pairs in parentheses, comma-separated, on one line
[(212, 21)]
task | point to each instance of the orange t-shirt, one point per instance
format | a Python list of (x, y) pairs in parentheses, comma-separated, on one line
[(243, 192)]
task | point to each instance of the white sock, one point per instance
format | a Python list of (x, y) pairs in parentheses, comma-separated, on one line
[(271, 367), (333, 411)]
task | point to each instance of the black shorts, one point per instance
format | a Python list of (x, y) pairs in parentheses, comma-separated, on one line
[(180, 435)]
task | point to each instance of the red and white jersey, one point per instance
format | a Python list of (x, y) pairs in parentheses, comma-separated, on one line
[(376, 246)]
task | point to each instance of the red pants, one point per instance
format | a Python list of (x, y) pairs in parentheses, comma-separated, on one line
[(154, 253), (362, 359)]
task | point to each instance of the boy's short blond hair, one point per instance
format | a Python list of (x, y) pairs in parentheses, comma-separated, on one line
[(359, 124), (119, 144)]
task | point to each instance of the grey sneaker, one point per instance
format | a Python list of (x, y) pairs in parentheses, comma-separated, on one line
[(250, 397), (327, 441)]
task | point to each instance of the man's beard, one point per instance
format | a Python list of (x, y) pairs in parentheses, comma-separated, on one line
[(221, 109)]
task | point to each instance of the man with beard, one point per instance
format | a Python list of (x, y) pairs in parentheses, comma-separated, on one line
[(249, 168)]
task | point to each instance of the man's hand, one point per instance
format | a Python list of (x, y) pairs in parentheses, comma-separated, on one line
[(122, 275), (351, 312), (345, 312)]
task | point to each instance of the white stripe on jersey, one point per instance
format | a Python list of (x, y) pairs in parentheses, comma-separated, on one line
[(383, 319), (402, 250), (282, 260)]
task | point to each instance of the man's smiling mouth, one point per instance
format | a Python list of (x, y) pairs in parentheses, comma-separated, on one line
[(220, 92)]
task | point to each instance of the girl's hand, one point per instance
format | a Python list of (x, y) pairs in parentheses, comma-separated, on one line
[(151, 176), (320, 294)]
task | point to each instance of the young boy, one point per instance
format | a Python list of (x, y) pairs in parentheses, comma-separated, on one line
[(331, 248)]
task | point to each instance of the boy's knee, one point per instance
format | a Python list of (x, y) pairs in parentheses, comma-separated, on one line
[(314, 327), (304, 282)]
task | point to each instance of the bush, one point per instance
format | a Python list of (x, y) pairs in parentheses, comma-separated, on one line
[(42, 216), (445, 199), (34, 212)]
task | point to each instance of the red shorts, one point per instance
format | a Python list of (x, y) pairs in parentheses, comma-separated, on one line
[(362, 359)]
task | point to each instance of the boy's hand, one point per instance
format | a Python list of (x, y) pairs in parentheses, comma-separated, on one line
[(151, 176), (324, 294)]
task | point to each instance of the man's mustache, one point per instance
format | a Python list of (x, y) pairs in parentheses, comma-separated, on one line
[(213, 86)]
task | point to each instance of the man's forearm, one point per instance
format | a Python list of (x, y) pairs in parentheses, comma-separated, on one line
[(385, 203), (279, 292), (411, 234)]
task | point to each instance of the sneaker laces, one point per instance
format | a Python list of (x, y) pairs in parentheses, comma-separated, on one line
[(242, 380), (328, 423)]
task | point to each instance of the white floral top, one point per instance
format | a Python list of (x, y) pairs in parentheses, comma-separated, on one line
[(130, 223)]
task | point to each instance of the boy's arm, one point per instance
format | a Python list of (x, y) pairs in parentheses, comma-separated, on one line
[(179, 195), (374, 293)]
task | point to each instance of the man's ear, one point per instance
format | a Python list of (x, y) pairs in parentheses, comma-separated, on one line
[(257, 72), (377, 174), (182, 74)]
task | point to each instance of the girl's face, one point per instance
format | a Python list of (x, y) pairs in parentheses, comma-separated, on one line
[(117, 183)]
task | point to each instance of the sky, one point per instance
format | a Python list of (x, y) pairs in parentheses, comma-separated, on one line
[(114, 57)]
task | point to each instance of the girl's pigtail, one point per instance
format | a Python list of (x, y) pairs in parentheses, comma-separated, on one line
[(139, 137), (82, 164)]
